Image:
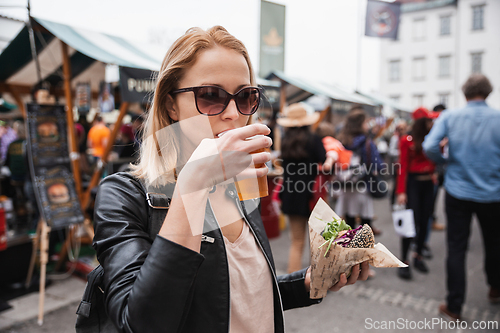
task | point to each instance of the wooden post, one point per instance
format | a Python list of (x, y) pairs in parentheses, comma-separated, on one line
[(74, 153), (18, 100), (321, 117), (100, 164), (44, 258), (36, 241)]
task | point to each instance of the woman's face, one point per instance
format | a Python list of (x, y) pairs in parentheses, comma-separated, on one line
[(220, 67)]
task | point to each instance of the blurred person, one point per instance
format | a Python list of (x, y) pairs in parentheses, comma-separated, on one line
[(187, 278), (393, 154), (440, 170), (7, 136), (472, 184), (415, 188), (357, 201), (302, 152), (98, 137), (126, 146), (18, 164), (106, 100)]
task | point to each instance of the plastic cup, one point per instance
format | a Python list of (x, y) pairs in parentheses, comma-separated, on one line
[(253, 188)]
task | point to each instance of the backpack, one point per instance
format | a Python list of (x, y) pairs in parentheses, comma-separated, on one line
[(92, 316), (355, 172), (359, 171)]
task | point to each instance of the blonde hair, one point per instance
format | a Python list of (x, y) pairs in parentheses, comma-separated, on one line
[(156, 164)]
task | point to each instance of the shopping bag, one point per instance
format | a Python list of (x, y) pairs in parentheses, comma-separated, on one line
[(404, 222)]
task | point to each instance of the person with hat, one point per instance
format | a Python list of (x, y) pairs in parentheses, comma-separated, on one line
[(415, 187), (302, 152)]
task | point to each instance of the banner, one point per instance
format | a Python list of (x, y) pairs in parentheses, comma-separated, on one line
[(272, 38), (382, 19), (50, 167), (83, 97), (137, 85)]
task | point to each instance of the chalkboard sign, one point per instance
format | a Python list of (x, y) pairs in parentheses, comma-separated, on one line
[(50, 165)]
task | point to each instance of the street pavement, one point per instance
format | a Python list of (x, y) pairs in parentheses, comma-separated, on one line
[(403, 306)]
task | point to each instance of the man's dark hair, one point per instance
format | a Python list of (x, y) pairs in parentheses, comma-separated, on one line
[(477, 85), (439, 108)]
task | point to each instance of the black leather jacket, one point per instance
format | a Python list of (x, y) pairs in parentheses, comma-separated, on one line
[(155, 285)]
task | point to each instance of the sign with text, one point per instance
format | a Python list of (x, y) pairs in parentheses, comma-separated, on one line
[(272, 38), (50, 165), (137, 85)]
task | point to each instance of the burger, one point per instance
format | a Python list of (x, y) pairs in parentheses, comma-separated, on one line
[(339, 232), (58, 193)]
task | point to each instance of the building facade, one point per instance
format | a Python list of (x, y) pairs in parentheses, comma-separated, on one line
[(440, 43)]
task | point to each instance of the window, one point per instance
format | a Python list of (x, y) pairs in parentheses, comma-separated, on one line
[(394, 70), (444, 98), (476, 62), (444, 66), (478, 17), (418, 100), (419, 68), (395, 98), (419, 29), (445, 25)]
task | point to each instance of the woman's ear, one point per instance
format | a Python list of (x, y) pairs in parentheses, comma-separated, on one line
[(172, 113)]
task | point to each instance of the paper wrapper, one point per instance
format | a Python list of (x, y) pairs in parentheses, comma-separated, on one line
[(326, 270)]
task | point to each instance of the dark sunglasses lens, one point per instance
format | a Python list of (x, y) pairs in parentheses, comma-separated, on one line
[(248, 100), (211, 100)]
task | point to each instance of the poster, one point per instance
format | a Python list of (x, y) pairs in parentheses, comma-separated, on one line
[(272, 38), (50, 165), (382, 19), (83, 97)]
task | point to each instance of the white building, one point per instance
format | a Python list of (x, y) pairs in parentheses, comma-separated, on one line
[(440, 43)]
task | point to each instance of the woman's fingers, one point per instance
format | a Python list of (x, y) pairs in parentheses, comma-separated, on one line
[(245, 132), (261, 158), (354, 275), (365, 271), (257, 144), (342, 282)]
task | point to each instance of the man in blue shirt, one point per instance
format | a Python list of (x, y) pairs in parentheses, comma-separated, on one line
[(472, 183)]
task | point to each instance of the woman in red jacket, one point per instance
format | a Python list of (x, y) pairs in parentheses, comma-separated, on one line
[(415, 187)]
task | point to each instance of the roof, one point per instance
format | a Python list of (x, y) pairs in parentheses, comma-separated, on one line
[(416, 6), (383, 100), (89, 52), (299, 89)]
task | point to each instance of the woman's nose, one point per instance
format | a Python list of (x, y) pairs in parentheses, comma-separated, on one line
[(231, 111)]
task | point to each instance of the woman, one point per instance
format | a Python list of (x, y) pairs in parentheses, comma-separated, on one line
[(355, 200), (415, 187), (192, 276), (302, 152)]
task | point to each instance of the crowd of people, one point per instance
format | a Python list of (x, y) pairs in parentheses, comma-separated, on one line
[(186, 276), (457, 149)]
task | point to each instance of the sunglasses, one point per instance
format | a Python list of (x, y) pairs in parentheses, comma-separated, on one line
[(212, 100)]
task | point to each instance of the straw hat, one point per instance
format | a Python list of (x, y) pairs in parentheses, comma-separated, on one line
[(297, 115)]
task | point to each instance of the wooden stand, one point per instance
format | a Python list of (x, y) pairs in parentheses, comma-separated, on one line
[(41, 243)]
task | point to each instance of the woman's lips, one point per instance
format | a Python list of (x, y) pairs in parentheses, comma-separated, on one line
[(223, 132)]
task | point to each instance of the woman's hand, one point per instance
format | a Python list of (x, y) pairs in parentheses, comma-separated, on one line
[(402, 199), (358, 272), (217, 160)]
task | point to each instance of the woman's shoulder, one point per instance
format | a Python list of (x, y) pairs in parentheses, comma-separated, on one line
[(122, 183)]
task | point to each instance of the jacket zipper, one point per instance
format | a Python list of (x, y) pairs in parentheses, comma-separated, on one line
[(238, 204), (205, 238)]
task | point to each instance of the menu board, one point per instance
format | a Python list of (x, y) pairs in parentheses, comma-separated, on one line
[(50, 165)]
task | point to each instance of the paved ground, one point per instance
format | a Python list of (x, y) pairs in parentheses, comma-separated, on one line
[(368, 305)]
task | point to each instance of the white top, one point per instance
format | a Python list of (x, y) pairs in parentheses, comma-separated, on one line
[(251, 286)]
